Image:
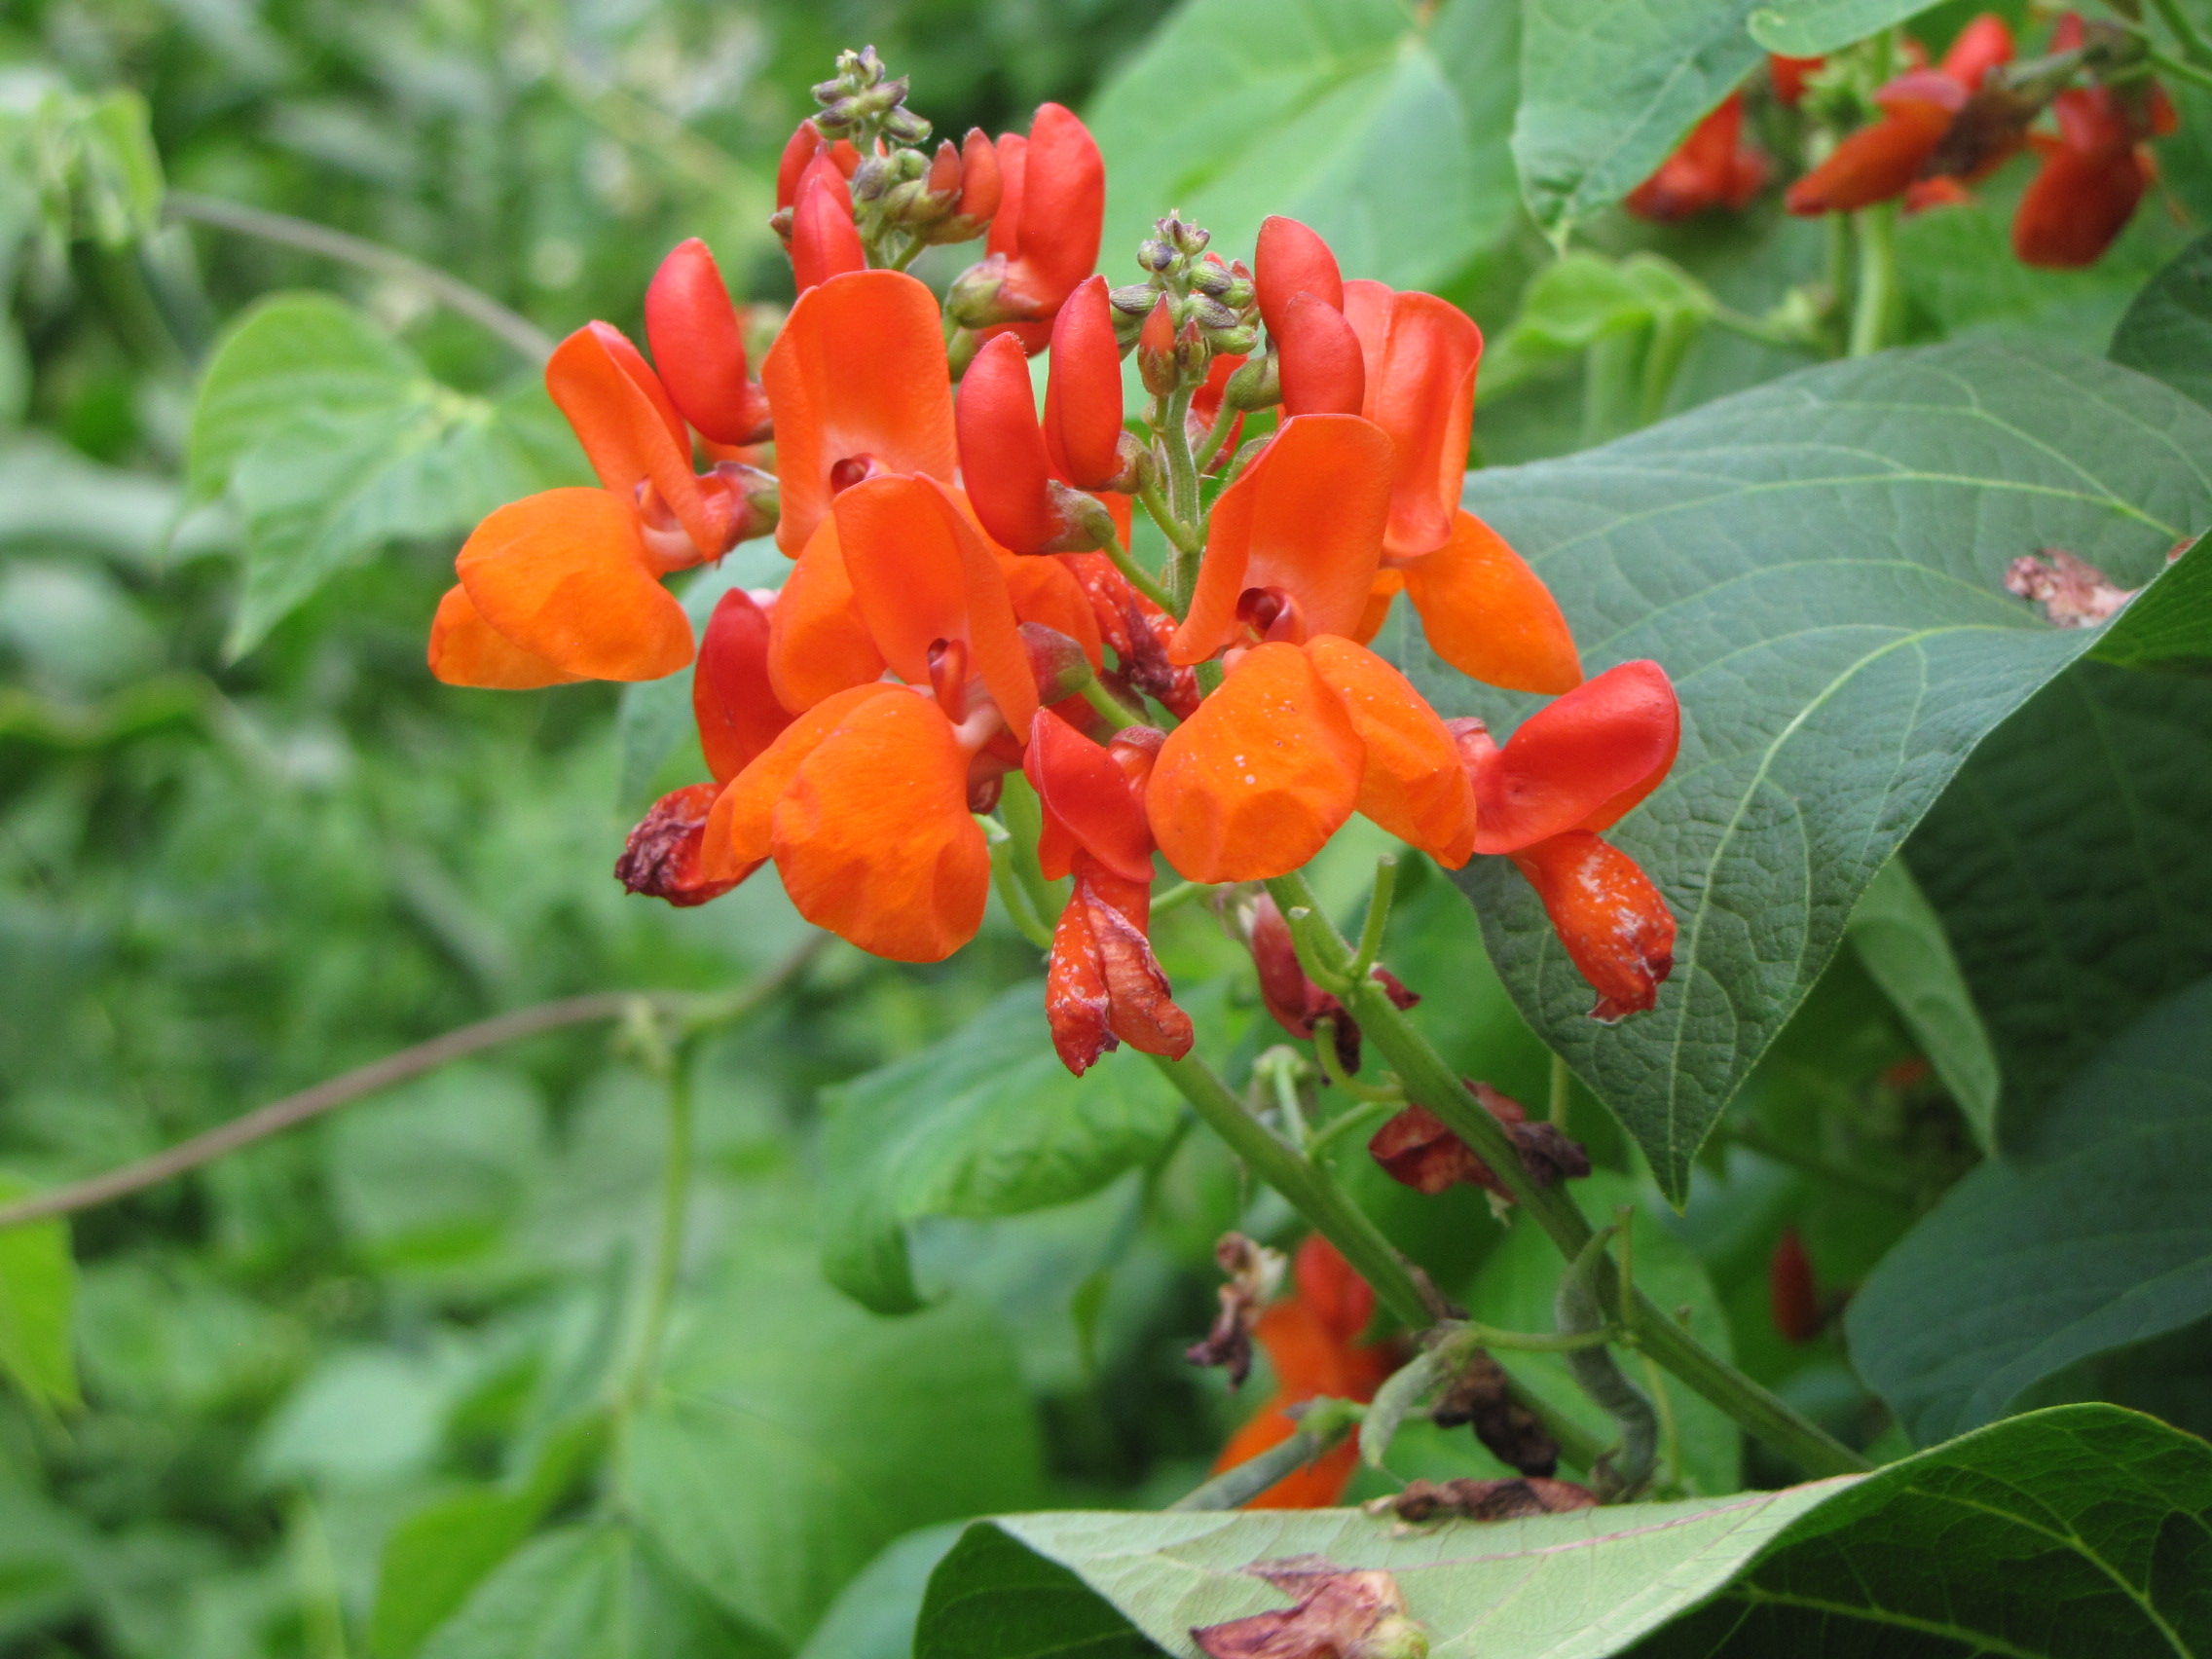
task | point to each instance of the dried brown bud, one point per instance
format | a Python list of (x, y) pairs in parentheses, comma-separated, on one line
[(1482, 1397), (1418, 1149), (1484, 1500), (1254, 1275), (661, 858), (1340, 1615)]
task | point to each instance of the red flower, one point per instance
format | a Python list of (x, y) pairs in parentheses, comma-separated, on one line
[(698, 343), (1713, 168), (1044, 240), (2094, 173)]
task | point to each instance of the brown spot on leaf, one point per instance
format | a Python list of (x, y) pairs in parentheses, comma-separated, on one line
[(2072, 592), (1485, 1501), (1340, 1614)]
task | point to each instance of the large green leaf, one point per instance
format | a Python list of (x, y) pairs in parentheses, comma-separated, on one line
[(1819, 564), (2091, 1234), (984, 1123), (37, 1294), (333, 440), (1337, 112), (1810, 29), (794, 1435), (1901, 940), (597, 1591), (2073, 1531), (1610, 87), (2167, 332), (1516, 1289), (2069, 866)]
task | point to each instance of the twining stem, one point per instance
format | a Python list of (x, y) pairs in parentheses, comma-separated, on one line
[(1427, 1078), (1874, 306), (1377, 917), (1315, 1193), (1326, 1423), (690, 1011), (446, 289), (2167, 63)]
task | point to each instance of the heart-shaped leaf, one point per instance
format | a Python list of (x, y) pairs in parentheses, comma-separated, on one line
[(1820, 565)]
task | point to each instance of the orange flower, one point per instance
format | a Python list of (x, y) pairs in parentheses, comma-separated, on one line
[(1103, 986), (1790, 74), (1311, 1339), (1713, 168), (662, 857), (858, 386), (698, 343), (1295, 741), (1006, 463), (569, 581), (825, 241), (1613, 922), (732, 698), (1044, 240), (1489, 615)]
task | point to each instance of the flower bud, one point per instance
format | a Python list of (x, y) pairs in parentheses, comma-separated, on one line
[(1136, 300), (1156, 350), (825, 241), (1001, 454), (980, 185), (1056, 663), (1192, 352), (1083, 397), (1290, 259), (1792, 1300), (905, 127), (698, 344)]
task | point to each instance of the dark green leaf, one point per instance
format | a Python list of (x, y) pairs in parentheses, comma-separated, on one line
[(2167, 332), (1515, 1291), (1335, 112), (875, 1616), (2081, 1531), (984, 1123), (1610, 87), (1819, 564), (591, 1592), (2091, 1234), (1812, 28), (2067, 1532), (2069, 864), (332, 440), (794, 1435), (1900, 939), (38, 1295)]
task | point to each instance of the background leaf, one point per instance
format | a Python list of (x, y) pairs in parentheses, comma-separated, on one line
[(1335, 112), (2167, 331), (1818, 565), (1811, 28), (984, 1123), (1901, 940), (38, 1295), (2091, 1234), (1610, 87)]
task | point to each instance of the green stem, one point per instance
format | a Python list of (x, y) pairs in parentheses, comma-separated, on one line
[(1224, 421), (1108, 706), (1179, 535), (1838, 273), (1670, 341), (1609, 385), (1326, 1422), (1332, 1068), (1180, 895), (1561, 1090), (1351, 1121), (1427, 1078), (2169, 64), (1140, 579), (1377, 917), (2184, 33), (1873, 311)]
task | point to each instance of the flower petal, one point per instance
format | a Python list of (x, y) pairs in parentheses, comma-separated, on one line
[(873, 837), (1414, 785), (1424, 397), (922, 573), (1306, 518), (1257, 781), (1613, 922), (698, 344), (737, 832), (859, 374), (563, 577), (1045, 591), (818, 643), (1490, 616), (467, 650), (1083, 396), (1089, 806), (1580, 762), (732, 698), (625, 431)]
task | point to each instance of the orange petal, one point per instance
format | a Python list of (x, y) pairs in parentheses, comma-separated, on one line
[(733, 702), (818, 643), (563, 577), (1581, 763), (1389, 585), (1426, 402), (1490, 616), (624, 430), (1305, 519), (738, 831), (467, 650), (1613, 922), (873, 836), (922, 573), (1257, 781), (1077, 1004), (858, 375), (1414, 785), (1043, 590)]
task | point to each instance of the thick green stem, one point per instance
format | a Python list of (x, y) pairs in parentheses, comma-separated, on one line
[(1838, 277), (1874, 307), (1428, 1080), (1138, 577)]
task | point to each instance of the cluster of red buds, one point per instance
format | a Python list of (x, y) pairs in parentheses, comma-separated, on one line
[(1941, 129), (964, 625)]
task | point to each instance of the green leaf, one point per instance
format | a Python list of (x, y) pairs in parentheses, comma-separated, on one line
[(437, 1556), (1335, 112), (2092, 1236), (2070, 866), (1813, 28), (1575, 302), (1819, 564), (2167, 332), (1515, 1291), (1900, 939), (1610, 87), (984, 1123), (598, 1591), (2074, 1530), (794, 1435), (38, 1293), (333, 440), (874, 1617)]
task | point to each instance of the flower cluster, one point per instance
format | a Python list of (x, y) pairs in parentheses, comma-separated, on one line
[(962, 606), (1942, 128)]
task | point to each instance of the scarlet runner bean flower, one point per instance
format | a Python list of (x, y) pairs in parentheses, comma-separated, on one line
[(1312, 1338), (2094, 173), (1044, 240), (1713, 168)]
